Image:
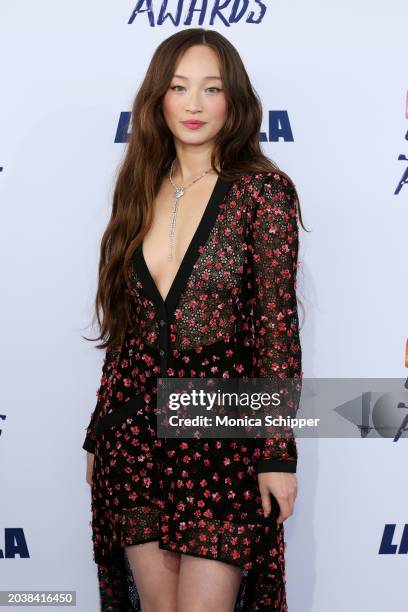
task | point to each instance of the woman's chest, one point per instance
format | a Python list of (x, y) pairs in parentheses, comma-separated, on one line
[(213, 266), (207, 300)]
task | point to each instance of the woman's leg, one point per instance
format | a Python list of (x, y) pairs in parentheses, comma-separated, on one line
[(206, 584), (155, 572)]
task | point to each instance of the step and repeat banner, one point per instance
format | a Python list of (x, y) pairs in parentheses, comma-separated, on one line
[(333, 82)]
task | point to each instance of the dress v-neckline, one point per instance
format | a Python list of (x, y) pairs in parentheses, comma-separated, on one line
[(200, 236)]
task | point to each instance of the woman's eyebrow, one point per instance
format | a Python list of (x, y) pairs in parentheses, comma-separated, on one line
[(180, 76)]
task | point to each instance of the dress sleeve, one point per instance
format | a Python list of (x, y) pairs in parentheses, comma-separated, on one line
[(109, 367), (273, 256)]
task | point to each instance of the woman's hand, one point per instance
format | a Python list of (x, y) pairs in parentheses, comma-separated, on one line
[(283, 486), (89, 466)]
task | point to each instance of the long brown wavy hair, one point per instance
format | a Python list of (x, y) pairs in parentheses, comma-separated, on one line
[(149, 153)]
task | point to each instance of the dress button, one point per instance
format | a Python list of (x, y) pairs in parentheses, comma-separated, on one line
[(162, 352), (162, 322)]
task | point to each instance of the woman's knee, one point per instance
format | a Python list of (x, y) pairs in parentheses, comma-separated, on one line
[(155, 572), (207, 584)]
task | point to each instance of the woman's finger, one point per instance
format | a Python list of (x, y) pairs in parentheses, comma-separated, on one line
[(89, 467), (285, 507), (266, 501)]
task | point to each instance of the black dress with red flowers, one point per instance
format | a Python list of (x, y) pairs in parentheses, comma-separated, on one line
[(231, 311)]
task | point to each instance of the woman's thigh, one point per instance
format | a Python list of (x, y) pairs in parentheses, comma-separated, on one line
[(155, 572), (207, 584)]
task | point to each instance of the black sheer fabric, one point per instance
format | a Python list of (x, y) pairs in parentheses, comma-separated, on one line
[(230, 312)]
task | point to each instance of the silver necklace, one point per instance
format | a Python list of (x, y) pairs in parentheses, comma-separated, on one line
[(178, 192)]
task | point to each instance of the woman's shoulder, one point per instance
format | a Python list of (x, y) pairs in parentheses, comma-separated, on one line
[(275, 179), (269, 188)]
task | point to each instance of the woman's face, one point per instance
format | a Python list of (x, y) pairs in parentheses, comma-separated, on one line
[(195, 94)]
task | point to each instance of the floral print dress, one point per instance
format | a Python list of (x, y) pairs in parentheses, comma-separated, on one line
[(230, 312)]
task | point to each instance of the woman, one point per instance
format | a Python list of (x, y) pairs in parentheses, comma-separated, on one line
[(200, 284)]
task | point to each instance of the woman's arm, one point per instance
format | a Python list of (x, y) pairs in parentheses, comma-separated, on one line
[(273, 256), (108, 371)]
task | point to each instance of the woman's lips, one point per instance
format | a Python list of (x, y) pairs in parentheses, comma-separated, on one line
[(193, 125)]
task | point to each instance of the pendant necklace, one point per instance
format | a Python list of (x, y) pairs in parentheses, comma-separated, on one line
[(178, 192)]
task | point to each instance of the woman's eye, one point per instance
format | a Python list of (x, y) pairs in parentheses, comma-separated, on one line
[(174, 88)]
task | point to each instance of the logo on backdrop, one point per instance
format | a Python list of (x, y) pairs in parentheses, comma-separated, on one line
[(402, 157), (14, 544), (392, 544), (2, 416), (278, 127), (386, 413), (181, 12)]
